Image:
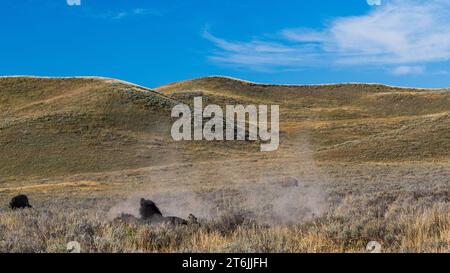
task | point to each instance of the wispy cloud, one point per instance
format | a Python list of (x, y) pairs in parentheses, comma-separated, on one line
[(122, 14), (114, 14), (374, 2), (400, 33), (73, 2), (261, 55), (408, 70), (134, 12)]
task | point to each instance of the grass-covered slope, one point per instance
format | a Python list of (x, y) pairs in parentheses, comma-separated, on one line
[(356, 122), (58, 126), (67, 125)]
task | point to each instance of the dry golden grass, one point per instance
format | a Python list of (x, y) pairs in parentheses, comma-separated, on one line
[(50, 230), (351, 122), (85, 185), (372, 162)]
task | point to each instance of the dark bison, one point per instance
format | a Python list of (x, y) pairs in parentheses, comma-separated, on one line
[(148, 210), (151, 214), (289, 182), (19, 202)]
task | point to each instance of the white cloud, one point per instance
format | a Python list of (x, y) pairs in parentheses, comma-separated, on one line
[(73, 2), (408, 70), (137, 11), (398, 33), (374, 2), (259, 55), (120, 15), (442, 72)]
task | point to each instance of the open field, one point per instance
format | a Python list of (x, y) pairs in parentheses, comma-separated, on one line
[(373, 163)]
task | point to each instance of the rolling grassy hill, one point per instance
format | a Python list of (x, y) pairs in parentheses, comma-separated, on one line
[(72, 125), (372, 163), (351, 122), (63, 126), (59, 126)]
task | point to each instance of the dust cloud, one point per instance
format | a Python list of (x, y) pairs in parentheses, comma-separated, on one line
[(254, 187)]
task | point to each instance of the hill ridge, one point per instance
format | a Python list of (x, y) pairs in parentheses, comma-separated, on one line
[(375, 84), (305, 85)]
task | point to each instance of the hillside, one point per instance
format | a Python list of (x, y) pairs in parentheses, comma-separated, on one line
[(351, 122), (70, 125), (58, 126), (356, 163)]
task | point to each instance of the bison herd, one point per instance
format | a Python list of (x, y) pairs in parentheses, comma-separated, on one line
[(148, 211)]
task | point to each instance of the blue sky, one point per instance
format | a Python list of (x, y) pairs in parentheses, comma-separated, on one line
[(397, 42)]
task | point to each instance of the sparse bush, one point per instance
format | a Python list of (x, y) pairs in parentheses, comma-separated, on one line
[(425, 230)]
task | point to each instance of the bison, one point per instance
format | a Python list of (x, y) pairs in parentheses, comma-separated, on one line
[(148, 210), (150, 214), (19, 202), (289, 182)]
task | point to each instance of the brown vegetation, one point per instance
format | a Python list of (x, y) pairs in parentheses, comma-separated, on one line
[(371, 162)]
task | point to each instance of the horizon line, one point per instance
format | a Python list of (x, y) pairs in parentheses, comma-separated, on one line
[(227, 77)]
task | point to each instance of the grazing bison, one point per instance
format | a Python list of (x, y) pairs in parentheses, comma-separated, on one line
[(19, 202), (289, 182)]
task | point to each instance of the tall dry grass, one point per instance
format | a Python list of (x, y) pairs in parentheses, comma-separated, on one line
[(425, 230)]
